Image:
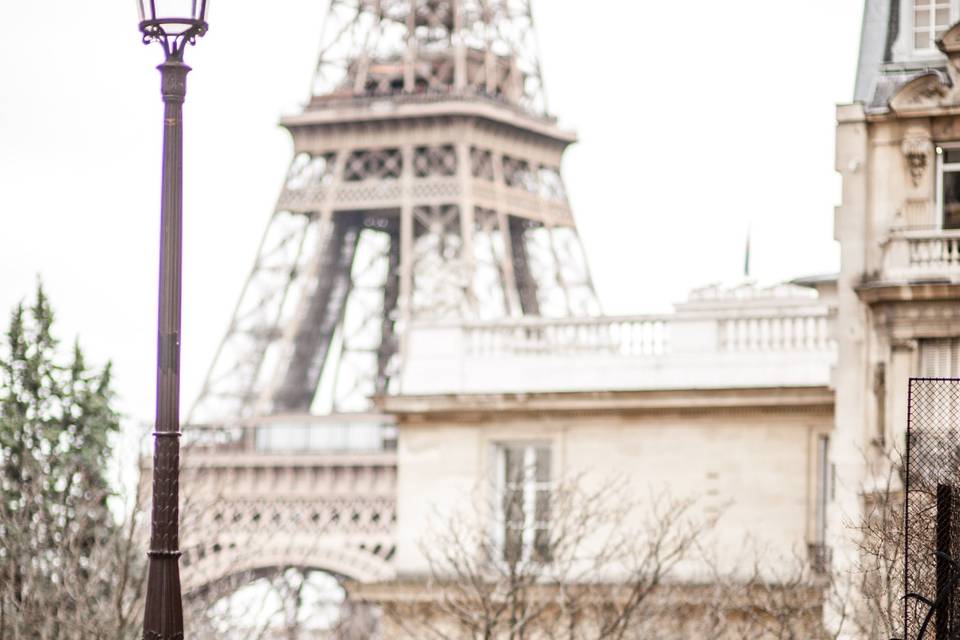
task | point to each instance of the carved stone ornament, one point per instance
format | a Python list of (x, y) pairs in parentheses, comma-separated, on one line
[(949, 42), (916, 151), (928, 92)]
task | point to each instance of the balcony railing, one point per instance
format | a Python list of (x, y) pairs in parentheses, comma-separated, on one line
[(788, 344), (923, 255), (810, 332), (639, 335), (350, 434)]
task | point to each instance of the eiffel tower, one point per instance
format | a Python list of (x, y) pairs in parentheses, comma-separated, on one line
[(425, 186)]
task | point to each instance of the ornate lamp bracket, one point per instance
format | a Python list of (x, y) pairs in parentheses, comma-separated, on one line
[(173, 40)]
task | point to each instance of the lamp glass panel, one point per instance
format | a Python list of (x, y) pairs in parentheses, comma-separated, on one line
[(181, 9)]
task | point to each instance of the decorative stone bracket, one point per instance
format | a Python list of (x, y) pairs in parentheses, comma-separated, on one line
[(916, 150)]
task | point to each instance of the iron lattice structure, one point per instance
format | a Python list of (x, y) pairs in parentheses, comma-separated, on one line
[(932, 510), (425, 186), (388, 47)]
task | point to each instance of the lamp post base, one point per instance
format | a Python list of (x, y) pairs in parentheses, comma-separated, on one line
[(163, 619)]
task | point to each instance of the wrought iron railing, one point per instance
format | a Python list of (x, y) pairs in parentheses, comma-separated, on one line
[(336, 434)]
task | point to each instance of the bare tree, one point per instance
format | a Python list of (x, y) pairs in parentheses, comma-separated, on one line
[(877, 608), (59, 581), (580, 572), (588, 574), (775, 598), (786, 599), (68, 568)]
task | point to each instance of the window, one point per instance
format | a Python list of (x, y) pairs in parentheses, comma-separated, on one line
[(940, 358), (819, 551), (948, 186), (931, 19), (523, 478), (824, 473)]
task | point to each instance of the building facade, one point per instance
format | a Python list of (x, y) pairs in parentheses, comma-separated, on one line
[(726, 403), (898, 291)]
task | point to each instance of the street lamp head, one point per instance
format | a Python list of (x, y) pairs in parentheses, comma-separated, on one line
[(173, 23)]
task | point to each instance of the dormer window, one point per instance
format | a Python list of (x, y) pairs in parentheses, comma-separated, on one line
[(931, 19)]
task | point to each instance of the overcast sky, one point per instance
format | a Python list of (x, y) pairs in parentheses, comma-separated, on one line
[(696, 119)]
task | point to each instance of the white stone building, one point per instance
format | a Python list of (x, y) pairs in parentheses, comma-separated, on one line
[(728, 400)]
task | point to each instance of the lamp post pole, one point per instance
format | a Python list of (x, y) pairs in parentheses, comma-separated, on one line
[(163, 615)]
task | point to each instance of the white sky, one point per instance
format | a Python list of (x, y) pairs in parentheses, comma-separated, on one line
[(696, 118)]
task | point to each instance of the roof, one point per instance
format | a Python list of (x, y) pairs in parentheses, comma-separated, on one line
[(875, 46), (815, 279), (887, 61)]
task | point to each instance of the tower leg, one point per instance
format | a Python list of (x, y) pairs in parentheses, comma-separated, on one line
[(526, 285)]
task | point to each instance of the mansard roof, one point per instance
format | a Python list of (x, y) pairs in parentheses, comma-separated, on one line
[(887, 61)]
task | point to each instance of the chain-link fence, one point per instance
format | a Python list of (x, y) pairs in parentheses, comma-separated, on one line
[(932, 510)]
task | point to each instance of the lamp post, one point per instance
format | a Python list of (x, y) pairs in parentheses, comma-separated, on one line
[(174, 24)]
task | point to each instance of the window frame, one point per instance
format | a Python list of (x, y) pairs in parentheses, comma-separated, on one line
[(531, 487), (946, 350), (824, 488), (940, 149), (932, 29)]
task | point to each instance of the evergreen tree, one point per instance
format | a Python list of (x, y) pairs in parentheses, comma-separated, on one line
[(66, 565)]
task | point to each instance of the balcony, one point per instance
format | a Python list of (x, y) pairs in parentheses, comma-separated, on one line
[(922, 256), (732, 340), (361, 438)]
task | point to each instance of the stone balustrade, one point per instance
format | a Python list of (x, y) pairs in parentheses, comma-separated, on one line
[(742, 346), (808, 332), (636, 335), (912, 256)]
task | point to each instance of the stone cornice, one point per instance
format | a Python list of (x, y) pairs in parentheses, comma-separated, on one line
[(424, 591), (916, 291), (907, 321), (809, 400)]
